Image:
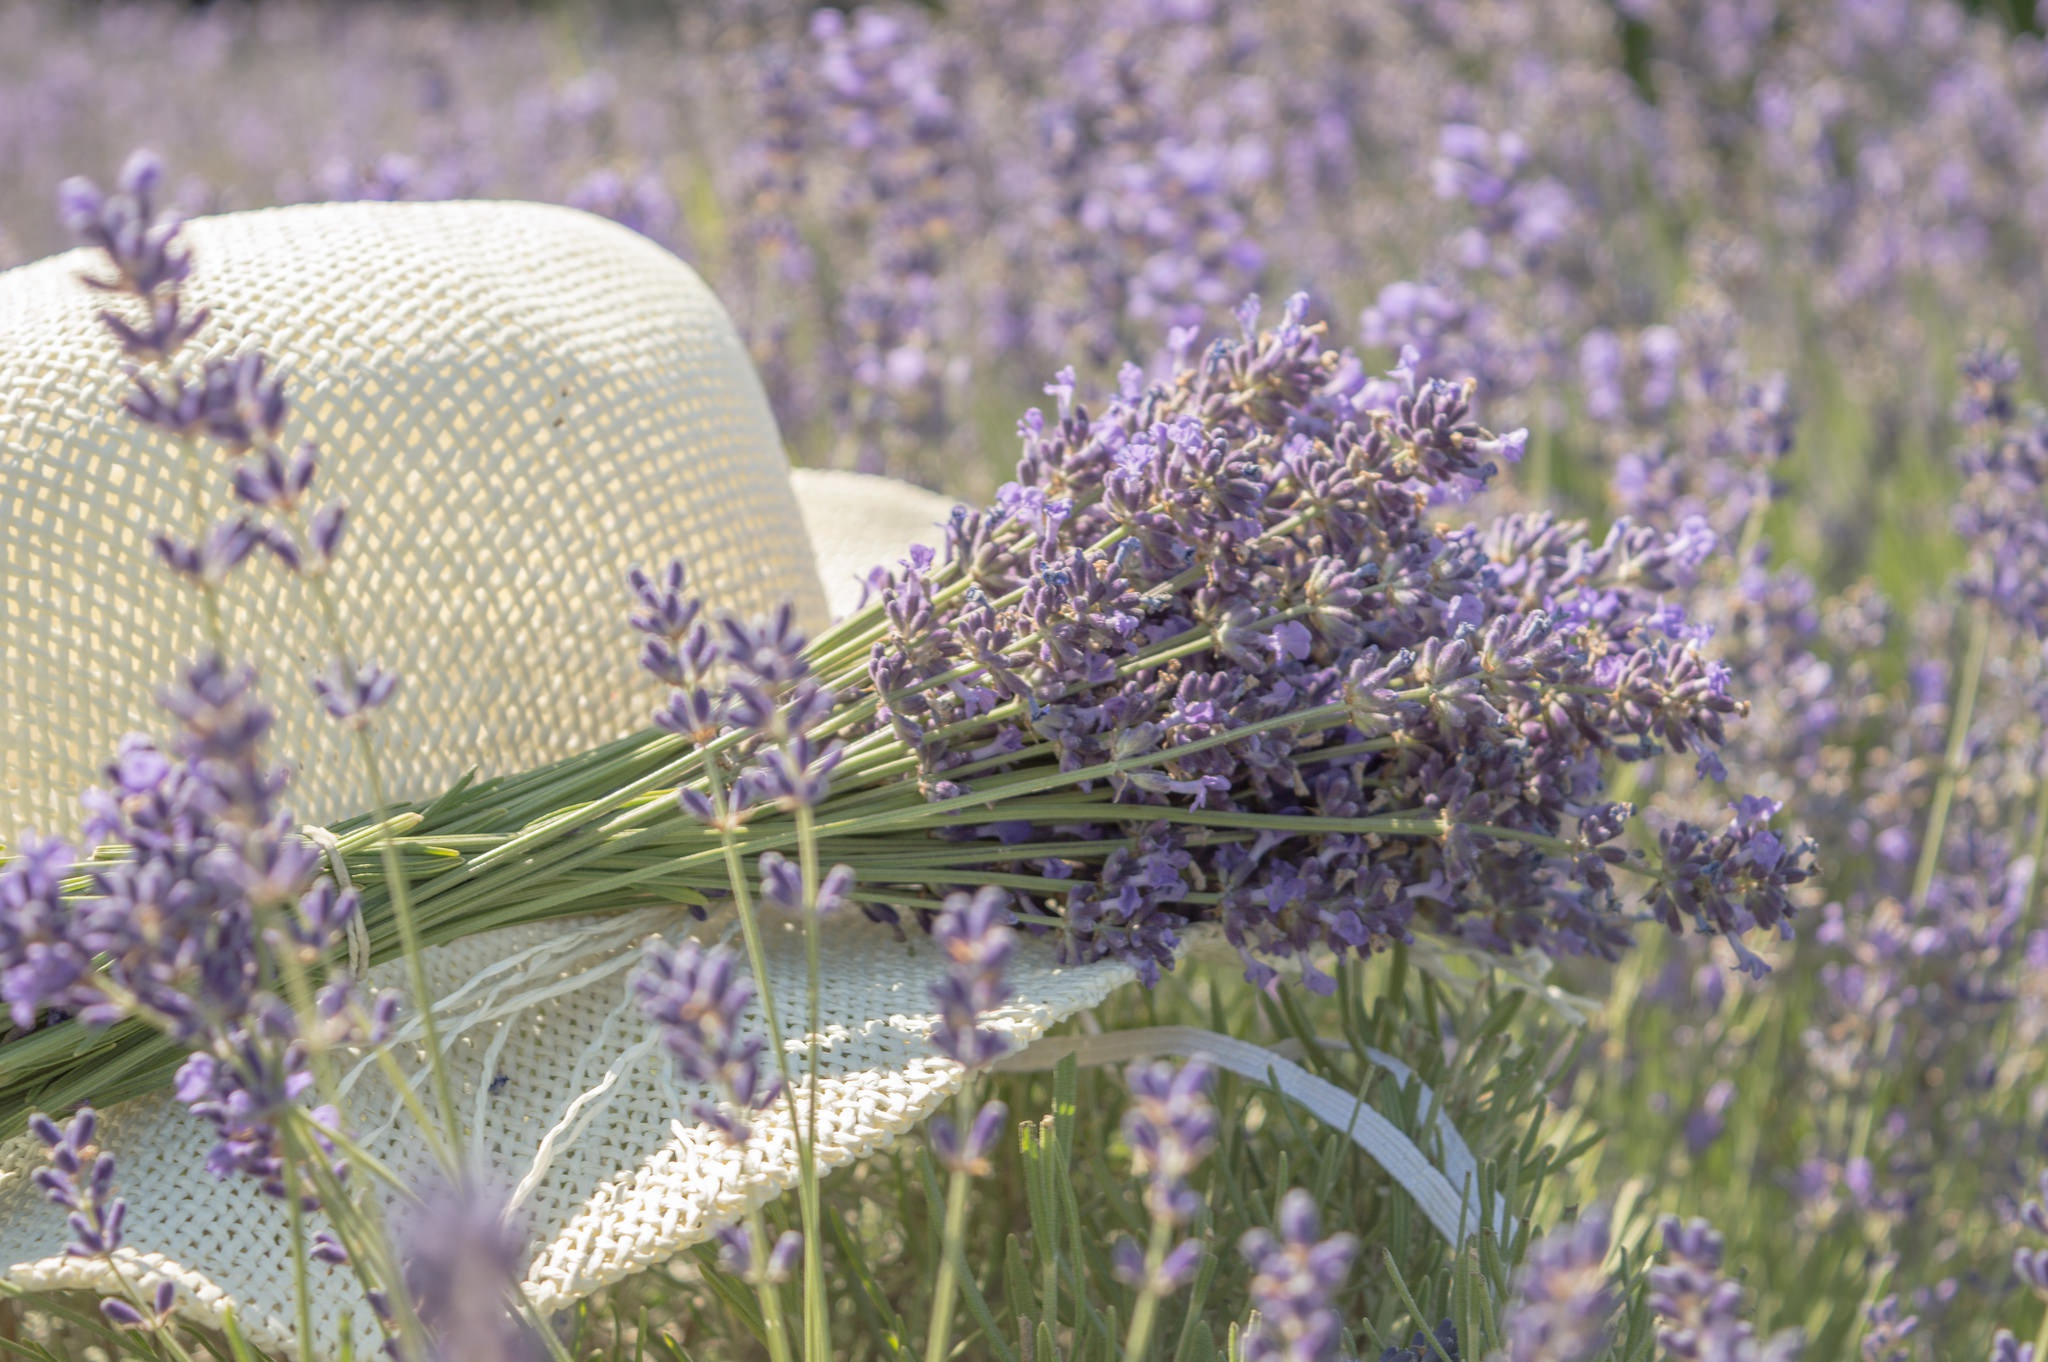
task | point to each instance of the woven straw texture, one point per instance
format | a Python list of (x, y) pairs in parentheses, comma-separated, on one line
[(424, 340), (856, 521), (585, 1123), (519, 402)]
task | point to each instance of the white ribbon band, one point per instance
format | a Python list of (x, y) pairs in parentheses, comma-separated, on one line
[(1436, 1191)]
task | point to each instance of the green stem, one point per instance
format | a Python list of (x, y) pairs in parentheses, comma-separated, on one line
[(415, 963), (1952, 759), (360, 1227), (772, 1322), (952, 1244), (147, 1309), (757, 960), (295, 1210), (1140, 1332), (817, 1334), (397, 887), (209, 594)]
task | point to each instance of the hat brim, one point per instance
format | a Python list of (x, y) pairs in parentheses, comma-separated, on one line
[(567, 1104)]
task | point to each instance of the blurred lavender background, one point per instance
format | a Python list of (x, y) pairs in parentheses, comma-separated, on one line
[(1771, 269)]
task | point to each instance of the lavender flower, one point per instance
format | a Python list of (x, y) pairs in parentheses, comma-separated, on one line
[(1171, 1128), (1564, 1300), (2030, 1264), (1701, 1312), (1733, 881), (1889, 1329), (80, 1178), (1428, 1346), (970, 1152), (697, 999), (1295, 1279), (975, 935), (2006, 1348), (736, 1255), (45, 966), (1527, 641), (463, 1262), (142, 244)]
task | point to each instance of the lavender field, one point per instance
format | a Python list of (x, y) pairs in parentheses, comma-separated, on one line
[(1714, 332)]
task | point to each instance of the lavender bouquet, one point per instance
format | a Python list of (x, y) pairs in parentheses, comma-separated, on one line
[(1210, 659)]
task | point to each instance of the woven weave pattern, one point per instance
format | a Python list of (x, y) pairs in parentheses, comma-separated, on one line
[(855, 521), (633, 1179), (519, 403)]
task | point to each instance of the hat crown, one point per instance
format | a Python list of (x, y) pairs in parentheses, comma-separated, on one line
[(519, 402)]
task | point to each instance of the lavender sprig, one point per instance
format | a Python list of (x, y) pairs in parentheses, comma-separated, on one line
[(1700, 1311), (1295, 1278), (1170, 1126), (79, 1177), (974, 934), (697, 1000), (1564, 1300)]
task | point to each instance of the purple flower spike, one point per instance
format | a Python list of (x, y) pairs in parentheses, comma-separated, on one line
[(696, 999), (121, 1314), (1701, 1312), (835, 889), (351, 692), (140, 243), (782, 884), (971, 1153), (328, 524), (42, 966), (2006, 1348), (80, 1178), (736, 1255), (1564, 1298), (1171, 1127), (975, 933), (1295, 1276), (463, 1263)]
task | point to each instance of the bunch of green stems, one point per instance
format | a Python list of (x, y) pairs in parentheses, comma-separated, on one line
[(602, 831)]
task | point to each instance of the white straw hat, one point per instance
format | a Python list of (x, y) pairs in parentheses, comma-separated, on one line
[(520, 402)]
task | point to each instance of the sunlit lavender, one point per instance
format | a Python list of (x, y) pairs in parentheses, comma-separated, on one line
[(1684, 359)]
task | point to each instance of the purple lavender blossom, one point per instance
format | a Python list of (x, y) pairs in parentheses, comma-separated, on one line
[(45, 966), (975, 935), (463, 1262), (1295, 1279), (697, 999), (1885, 1340), (1495, 652), (2000, 513), (2006, 1348), (1564, 1301), (1171, 1128), (969, 1152), (1700, 1311), (2030, 1263), (80, 1178), (736, 1255)]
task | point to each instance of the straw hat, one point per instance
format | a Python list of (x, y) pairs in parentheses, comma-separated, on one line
[(520, 403)]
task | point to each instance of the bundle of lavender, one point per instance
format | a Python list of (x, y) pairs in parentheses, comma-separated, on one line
[(1212, 657)]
